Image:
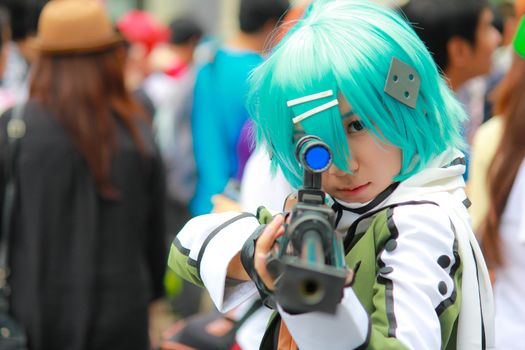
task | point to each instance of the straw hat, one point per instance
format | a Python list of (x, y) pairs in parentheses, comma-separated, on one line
[(74, 26)]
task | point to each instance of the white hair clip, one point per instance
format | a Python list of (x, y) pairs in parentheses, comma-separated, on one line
[(309, 98), (315, 110)]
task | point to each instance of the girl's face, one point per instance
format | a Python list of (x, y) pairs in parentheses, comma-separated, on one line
[(373, 163)]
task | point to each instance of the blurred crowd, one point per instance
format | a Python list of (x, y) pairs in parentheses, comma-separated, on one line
[(134, 127)]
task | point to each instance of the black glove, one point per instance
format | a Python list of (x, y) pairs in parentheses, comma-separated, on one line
[(247, 258)]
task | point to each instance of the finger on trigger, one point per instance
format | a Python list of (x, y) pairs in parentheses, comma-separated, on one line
[(266, 240)]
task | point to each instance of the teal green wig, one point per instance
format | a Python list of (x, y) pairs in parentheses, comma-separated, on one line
[(347, 46)]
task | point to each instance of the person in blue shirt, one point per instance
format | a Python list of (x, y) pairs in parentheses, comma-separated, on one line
[(219, 113)]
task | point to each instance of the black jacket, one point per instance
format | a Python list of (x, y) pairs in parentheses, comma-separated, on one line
[(83, 268)]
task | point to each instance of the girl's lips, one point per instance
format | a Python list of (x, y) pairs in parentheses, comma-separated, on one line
[(355, 190)]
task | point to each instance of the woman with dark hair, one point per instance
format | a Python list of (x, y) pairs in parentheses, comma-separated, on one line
[(87, 250), (501, 223)]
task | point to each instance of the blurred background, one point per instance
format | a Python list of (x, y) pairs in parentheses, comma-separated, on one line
[(218, 17), (169, 51)]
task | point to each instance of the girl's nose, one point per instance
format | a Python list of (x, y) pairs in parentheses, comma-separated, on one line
[(353, 165), (335, 171)]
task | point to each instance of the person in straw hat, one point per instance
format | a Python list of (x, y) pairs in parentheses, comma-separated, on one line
[(87, 250)]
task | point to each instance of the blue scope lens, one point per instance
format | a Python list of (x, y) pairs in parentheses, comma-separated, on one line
[(314, 155), (317, 158)]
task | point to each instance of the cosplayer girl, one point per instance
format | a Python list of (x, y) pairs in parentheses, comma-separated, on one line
[(356, 75)]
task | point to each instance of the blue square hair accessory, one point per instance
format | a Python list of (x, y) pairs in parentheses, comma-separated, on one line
[(403, 83)]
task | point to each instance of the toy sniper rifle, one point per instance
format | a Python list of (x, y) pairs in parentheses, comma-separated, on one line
[(309, 267)]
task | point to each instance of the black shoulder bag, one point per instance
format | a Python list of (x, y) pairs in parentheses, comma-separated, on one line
[(12, 336)]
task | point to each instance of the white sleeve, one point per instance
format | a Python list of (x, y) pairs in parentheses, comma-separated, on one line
[(210, 242), (420, 270)]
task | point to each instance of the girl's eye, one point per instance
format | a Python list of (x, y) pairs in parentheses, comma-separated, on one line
[(355, 126)]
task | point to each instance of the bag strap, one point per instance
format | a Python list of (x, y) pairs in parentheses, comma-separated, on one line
[(15, 131)]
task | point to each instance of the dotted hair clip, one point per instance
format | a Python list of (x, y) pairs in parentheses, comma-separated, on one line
[(403, 83)]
